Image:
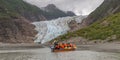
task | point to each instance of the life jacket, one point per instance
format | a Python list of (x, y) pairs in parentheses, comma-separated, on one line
[(57, 46), (71, 45), (65, 45), (62, 46)]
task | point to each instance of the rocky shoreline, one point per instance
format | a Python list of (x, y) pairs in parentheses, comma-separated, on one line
[(105, 47), (19, 46)]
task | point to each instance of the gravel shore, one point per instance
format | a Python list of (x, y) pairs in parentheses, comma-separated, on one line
[(19, 46), (105, 47)]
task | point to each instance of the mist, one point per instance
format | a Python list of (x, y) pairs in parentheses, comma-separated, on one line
[(79, 7)]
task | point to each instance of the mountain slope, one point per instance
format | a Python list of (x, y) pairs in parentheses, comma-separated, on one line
[(15, 27), (107, 8), (105, 29), (21, 8), (30, 12), (15, 21), (103, 23), (16, 31)]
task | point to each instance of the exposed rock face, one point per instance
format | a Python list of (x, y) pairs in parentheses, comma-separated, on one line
[(107, 8), (53, 12), (70, 13), (16, 31), (75, 24), (51, 8)]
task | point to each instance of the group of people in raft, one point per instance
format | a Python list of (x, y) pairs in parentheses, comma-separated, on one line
[(64, 45)]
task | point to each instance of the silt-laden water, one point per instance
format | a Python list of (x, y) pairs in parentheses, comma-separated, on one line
[(46, 54)]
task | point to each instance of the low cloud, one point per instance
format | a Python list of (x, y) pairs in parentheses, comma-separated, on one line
[(79, 7)]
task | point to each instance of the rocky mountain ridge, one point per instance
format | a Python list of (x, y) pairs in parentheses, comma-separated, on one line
[(108, 7), (15, 21), (53, 12)]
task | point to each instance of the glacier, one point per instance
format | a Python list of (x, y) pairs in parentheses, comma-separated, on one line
[(48, 30)]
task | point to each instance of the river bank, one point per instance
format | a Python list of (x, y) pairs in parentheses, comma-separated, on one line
[(104, 47), (19, 46)]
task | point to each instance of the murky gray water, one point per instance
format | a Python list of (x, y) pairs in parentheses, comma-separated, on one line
[(46, 54)]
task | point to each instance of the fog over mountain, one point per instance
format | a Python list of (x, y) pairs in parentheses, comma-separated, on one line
[(79, 7)]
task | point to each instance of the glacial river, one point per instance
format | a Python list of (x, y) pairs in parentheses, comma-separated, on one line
[(46, 54)]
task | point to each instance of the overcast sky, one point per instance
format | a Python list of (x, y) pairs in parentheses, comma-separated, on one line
[(79, 7)]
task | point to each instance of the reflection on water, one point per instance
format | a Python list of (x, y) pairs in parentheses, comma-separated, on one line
[(45, 54)]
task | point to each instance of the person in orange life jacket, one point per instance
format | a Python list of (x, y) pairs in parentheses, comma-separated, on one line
[(61, 45), (65, 45), (57, 47), (69, 45)]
